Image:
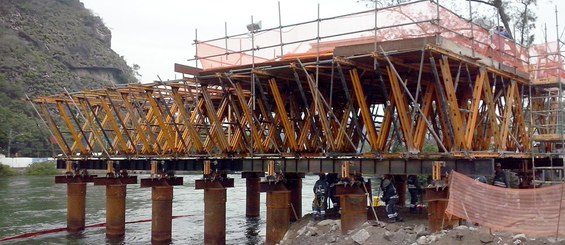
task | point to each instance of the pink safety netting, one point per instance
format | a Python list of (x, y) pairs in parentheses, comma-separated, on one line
[(419, 19), (537, 212)]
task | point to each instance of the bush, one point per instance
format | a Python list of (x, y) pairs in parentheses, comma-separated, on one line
[(42, 168), (5, 170)]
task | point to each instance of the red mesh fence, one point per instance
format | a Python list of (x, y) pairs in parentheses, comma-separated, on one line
[(537, 212)]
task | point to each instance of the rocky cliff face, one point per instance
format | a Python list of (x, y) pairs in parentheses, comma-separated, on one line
[(49, 44), (45, 46)]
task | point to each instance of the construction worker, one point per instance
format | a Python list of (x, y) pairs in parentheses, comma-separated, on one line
[(390, 197), (321, 191), (414, 189), (500, 179)]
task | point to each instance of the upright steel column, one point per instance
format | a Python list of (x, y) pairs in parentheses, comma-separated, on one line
[(115, 210), (76, 197), (353, 211), (252, 193), (162, 214), (278, 203), (295, 187), (215, 216), (253, 197)]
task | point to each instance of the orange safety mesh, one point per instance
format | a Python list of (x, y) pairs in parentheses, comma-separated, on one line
[(418, 19), (537, 212)]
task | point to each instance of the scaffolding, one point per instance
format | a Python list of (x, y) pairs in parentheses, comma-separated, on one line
[(379, 84), (548, 110)]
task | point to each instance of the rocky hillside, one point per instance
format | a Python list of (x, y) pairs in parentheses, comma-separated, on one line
[(45, 46)]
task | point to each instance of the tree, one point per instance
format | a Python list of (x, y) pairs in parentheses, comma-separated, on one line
[(514, 15)]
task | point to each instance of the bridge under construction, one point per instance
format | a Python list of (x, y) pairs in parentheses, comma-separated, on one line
[(409, 89)]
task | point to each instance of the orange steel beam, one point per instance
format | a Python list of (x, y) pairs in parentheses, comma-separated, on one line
[(509, 103), (421, 127), (71, 127), (289, 130), (56, 132), (115, 127), (454, 113), (402, 110), (474, 110), (187, 121), (366, 115)]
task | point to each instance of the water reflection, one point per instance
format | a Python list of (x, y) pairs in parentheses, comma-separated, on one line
[(252, 230)]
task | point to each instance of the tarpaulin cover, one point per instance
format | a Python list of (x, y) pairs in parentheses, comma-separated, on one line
[(536, 212)]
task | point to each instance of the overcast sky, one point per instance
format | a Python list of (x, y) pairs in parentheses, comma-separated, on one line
[(157, 34)]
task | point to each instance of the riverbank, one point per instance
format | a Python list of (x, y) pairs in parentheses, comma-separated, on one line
[(413, 231)]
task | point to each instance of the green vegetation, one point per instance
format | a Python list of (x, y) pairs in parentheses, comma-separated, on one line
[(5, 170), (46, 46), (42, 168)]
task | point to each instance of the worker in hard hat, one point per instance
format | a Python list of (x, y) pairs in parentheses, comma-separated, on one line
[(500, 179), (390, 197), (414, 189), (321, 191)]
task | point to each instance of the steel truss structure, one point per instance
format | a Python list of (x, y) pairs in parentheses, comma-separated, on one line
[(450, 90)]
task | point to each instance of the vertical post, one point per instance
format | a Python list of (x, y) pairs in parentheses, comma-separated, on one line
[(115, 210), (353, 211), (215, 216), (253, 198), (294, 185), (162, 214), (76, 197), (278, 203)]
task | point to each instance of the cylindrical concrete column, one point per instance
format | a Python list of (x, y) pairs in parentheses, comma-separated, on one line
[(278, 203), (253, 197), (115, 210), (353, 211), (162, 214), (295, 187), (215, 216), (76, 198)]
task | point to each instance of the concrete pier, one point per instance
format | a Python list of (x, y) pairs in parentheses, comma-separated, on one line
[(162, 214), (76, 198), (215, 216)]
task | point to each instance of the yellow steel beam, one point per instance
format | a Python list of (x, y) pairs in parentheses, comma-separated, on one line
[(509, 103), (522, 133), (421, 127), (365, 114), (115, 127), (454, 113), (216, 124), (491, 110), (385, 125), (136, 120), (248, 115), (289, 130), (402, 110), (56, 132), (71, 127), (159, 117), (474, 110), (197, 142)]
